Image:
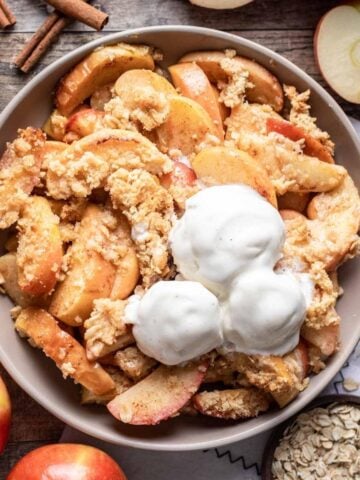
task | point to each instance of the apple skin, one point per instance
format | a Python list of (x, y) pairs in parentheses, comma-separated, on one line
[(181, 174), (66, 462), (5, 415)]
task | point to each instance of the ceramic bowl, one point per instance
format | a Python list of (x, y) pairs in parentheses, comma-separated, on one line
[(39, 377)]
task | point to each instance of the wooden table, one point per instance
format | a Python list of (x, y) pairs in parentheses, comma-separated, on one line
[(286, 27)]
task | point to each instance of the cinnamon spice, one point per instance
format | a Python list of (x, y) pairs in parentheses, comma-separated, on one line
[(80, 10), (7, 18)]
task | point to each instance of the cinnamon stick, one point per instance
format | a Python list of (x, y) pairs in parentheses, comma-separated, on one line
[(80, 10), (43, 30), (7, 18), (44, 44)]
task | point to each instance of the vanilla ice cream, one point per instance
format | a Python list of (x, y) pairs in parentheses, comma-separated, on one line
[(263, 313), (225, 247), (224, 230), (176, 321)]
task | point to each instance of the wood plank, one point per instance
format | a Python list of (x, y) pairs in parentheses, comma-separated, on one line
[(296, 45), (261, 14)]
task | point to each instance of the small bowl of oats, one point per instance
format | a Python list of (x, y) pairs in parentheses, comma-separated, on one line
[(322, 442)]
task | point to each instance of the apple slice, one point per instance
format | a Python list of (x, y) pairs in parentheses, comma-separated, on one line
[(140, 79), (228, 165), (266, 87), (40, 251), (186, 127), (298, 362), (44, 332), (90, 276), (85, 122), (312, 146), (160, 395), (192, 82), (326, 339), (102, 66), (5, 415), (337, 50), (220, 4)]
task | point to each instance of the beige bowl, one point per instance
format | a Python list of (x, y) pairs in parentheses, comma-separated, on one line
[(40, 378)]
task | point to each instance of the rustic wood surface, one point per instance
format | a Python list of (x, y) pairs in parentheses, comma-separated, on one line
[(286, 27)]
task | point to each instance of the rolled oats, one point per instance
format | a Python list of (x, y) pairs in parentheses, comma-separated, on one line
[(321, 444)]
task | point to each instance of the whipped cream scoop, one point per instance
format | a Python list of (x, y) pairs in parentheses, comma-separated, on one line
[(224, 231), (175, 321), (225, 247)]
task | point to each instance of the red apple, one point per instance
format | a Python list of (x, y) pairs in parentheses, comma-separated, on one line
[(181, 174), (66, 462), (5, 415), (337, 49)]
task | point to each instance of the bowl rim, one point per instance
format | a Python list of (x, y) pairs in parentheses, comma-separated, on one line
[(341, 356), (273, 441)]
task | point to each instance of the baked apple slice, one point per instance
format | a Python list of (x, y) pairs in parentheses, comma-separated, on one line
[(229, 165), (160, 395), (84, 123), (102, 66), (266, 87), (312, 146), (90, 275), (70, 357), (144, 95), (128, 270), (10, 283), (192, 82), (141, 78), (39, 254), (298, 362), (187, 125), (326, 338)]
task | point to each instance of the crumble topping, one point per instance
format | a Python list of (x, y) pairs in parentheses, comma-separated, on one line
[(145, 202), (105, 329), (233, 91), (300, 115), (134, 363), (86, 164), (232, 404), (19, 173)]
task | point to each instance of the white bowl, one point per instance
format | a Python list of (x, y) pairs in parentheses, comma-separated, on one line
[(40, 378)]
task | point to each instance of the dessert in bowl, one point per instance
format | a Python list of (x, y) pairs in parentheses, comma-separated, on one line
[(178, 233)]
